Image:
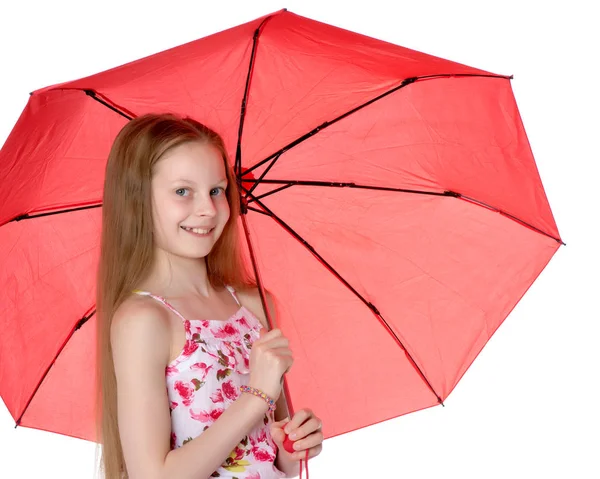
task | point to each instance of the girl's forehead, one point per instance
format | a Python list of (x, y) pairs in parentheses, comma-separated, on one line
[(191, 161)]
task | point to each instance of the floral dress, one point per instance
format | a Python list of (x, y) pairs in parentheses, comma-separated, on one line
[(206, 378)]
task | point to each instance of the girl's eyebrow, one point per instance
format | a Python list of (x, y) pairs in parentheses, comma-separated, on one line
[(184, 180), (178, 181)]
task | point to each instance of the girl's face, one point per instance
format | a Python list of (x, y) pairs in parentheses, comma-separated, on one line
[(190, 208)]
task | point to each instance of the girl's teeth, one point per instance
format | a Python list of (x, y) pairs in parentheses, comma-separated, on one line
[(198, 231)]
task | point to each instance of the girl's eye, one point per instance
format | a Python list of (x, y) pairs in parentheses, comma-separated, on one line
[(182, 191), (216, 191)]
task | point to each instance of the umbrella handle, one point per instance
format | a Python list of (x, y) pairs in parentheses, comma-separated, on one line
[(288, 444)]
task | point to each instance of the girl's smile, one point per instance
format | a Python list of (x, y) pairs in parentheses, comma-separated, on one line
[(200, 232)]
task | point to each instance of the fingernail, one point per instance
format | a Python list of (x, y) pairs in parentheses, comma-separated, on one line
[(293, 435)]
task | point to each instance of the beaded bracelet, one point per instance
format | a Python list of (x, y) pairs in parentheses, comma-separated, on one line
[(260, 394)]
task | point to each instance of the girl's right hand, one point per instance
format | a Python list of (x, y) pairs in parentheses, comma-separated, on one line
[(270, 359)]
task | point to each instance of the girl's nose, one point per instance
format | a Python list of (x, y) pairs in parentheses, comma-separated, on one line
[(206, 207)]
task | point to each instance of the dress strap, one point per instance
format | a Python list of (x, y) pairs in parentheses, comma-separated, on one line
[(160, 299), (232, 291)]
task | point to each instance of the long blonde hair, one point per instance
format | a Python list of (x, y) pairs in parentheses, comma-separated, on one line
[(127, 248)]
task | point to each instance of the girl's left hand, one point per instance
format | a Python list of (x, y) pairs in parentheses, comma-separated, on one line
[(304, 429)]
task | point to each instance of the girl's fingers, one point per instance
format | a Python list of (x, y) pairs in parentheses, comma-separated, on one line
[(299, 418), (280, 424), (278, 342), (283, 352), (312, 452), (313, 440), (310, 426), (265, 335)]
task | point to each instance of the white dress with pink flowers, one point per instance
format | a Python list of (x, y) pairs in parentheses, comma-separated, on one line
[(206, 378)]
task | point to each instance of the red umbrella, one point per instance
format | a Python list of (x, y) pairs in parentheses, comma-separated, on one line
[(394, 209)]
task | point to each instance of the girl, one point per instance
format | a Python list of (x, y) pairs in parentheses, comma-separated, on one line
[(181, 327)]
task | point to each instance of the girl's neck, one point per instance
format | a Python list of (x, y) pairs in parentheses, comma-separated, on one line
[(174, 276)]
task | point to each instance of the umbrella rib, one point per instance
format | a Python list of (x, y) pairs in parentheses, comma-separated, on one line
[(508, 215), (276, 190), (69, 209), (337, 184), (264, 173), (110, 104), (78, 325), (287, 183), (238, 152), (332, 270), (257, 211), (405, 82)]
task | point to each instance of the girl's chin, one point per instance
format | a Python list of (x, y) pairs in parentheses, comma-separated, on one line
[(191, 254)]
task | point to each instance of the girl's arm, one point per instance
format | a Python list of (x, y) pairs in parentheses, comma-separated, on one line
[(140, 347), (203, 455)]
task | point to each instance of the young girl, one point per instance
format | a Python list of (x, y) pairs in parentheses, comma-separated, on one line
[(181, 328)]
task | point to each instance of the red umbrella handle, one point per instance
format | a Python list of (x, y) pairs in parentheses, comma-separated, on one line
[(288, 445)]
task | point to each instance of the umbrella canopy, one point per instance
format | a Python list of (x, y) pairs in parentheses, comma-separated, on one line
[(393, 203)]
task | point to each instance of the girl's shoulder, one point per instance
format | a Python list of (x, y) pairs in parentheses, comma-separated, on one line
[(140, 309), (140, 328)]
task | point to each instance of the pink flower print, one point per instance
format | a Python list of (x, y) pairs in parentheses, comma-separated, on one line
[(173, 440), (205, 416), (230, 391), (187, 326), (186, 391), (254, 475), (171, 370), (262, 456), (243, 322), (205, 324), (259, 439), (261, 436), (216, 413), (225, 331), (217, 396), (173, 405), (202, 367), (189, 348), (233, 348), (239, 453)]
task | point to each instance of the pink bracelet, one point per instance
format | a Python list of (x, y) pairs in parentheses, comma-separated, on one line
[(260, 394)]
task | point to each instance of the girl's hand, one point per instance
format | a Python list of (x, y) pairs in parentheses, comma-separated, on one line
[(304, 429), (270, 359)]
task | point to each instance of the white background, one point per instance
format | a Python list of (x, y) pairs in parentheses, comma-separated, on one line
[(528, 406)]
